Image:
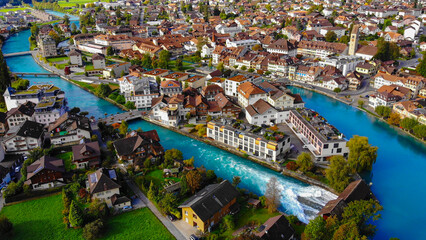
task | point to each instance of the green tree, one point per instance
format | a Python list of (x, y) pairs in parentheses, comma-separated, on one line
[(420, 131), (338, 173), (179, 64), (386, 50), (421, 67), (202, 131), (5, 79), (383, 111), (408, 123), (172, 155), (146, 61), (120, 99), (337, 90), (362, 213), (330, 36), (6, 227), (243, 68), (76, 215), (93, 230), (188, 116), (236, 180), (220, 67), (189, 162), (83, 30), (109, 51), (103, 90), (152, 193), (130, 105), (344, 39), (124, 126), (228, 222), (315, 230), (362, 155), (304, 161), (167, 203), (34, 30), (361, 103)]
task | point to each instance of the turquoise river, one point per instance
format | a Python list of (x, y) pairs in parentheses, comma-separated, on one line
[(397, 177)]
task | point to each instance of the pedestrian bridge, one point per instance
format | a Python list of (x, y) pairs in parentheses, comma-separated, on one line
[(17, 54), (126, 116), (22, 74)]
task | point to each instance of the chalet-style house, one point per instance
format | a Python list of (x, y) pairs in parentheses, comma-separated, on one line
[(138, 146), (207, 207), (69, 128), (46, 172), (22, 138), (276, 228), (86, 155), (357, 190), (103, 186)]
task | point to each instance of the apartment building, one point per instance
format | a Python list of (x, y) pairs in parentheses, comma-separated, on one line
[(249, 139), (322, 139)]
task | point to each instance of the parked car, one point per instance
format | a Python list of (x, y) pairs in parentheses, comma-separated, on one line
[(127, 207), (17, 169), (193, 237), (171, 217)]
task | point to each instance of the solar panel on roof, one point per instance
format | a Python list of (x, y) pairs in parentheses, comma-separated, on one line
[(38, 169), (93, 178), (112, 174)]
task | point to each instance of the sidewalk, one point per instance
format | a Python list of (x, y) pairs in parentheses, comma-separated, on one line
[(166, 222)]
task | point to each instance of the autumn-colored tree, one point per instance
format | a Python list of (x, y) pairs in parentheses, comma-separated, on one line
[(304, 161), (193, 179), (272, 195), (394, 119)]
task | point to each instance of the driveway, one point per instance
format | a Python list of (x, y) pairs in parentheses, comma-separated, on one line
[(166, 222), (185, 228)]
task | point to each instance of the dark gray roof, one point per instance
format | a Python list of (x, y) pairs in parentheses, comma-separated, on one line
[(31, 129), (45, 162), (128, 145), (100, 180), (211, 199), (276, 228)]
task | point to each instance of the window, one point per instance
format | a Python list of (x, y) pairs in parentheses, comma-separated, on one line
[(335, 145), (325, 146), (339, 150)]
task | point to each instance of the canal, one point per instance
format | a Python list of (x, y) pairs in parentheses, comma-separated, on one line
[(397, 176)]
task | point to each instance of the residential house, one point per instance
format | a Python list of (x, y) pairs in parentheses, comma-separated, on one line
[(248, 94), (210, 91), (226, 106), (263, 113), (415, 109), (115, 70), (86, 155), (102, 185), (137, 147), (208, 206), (47, 47), (18, 115), (46, 172), (355, 191), (282, 46), (69, 129), (24, 137), (275, 228), (75, 57), (387, 95), (98, 61), (170, 87)]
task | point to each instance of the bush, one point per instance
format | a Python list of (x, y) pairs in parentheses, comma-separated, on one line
[(93, 230), (6, 226), (120, 99), (130, 105), (291, 166)]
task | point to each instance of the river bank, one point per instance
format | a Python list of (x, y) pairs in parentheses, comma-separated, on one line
[(400, 130)]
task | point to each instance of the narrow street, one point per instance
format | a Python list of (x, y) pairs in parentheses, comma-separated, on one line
[(166, 222)]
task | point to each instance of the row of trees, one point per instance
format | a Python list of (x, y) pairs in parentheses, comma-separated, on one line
[(5, 79)]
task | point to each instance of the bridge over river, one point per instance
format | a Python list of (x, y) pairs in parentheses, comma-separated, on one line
[(18, 54), (126, 116)]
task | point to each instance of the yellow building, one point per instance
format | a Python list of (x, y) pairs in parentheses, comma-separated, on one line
[(207, 207)]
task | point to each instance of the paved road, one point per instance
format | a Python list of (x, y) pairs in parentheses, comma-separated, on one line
[(166, 222)]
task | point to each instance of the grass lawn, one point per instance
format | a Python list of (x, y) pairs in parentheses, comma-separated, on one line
[(12, 9), (72, 3), (57, 59), (157, 177), (39, 219), (42, 219), (67, 157), (89, 66), (48, 23), (138, 224), (86, 85), (114, 86)]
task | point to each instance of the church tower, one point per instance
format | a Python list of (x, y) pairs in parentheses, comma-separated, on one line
[(353, 44)]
